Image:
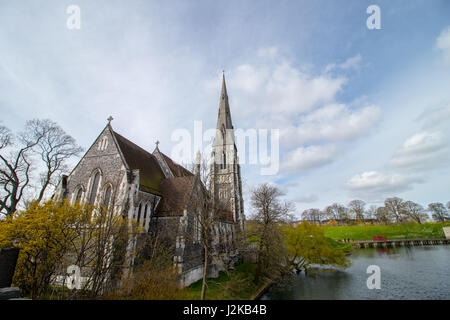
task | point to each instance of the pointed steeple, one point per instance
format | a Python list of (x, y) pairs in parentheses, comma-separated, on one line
[(224, 86), (224, 117), (225, 178)]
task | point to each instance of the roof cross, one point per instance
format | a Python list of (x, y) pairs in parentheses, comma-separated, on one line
[(110, 118), (157, 143)]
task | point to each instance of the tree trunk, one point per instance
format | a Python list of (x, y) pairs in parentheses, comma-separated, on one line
[(43, 188), (205, 273)]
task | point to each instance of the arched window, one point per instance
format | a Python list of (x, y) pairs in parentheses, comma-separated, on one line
[(78, 195), (103, 144), (224, 160), (139, 213), (224, 134), (107, 197), (145, 215), (94, 188)]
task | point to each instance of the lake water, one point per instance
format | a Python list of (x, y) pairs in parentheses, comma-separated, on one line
[(406, 273)]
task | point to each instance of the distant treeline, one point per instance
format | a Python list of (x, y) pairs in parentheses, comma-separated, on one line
[(395, 210)]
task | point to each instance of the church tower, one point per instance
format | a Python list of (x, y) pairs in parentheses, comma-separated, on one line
[(226, 185)]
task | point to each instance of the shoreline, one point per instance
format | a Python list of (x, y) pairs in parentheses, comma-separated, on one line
[(263, 290)]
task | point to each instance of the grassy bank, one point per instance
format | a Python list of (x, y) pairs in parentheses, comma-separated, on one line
[(232, 285), (391, 232)]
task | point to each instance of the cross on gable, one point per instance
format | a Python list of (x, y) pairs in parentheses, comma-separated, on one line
[(110, 118)]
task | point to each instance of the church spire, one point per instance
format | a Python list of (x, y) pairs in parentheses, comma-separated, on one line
[(224, 117), (224, 86), (225, 176)]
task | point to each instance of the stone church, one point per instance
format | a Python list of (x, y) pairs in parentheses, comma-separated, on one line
[(156, 192)]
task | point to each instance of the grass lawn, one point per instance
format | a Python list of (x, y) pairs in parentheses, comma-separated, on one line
[(391, 232), (232, 285)]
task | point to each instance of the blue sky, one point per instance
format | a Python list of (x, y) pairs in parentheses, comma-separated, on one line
[(362, 113)]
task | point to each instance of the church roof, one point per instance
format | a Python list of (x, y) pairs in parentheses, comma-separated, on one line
[(177, 170), (176, 194), (137, 158), (151, 174)]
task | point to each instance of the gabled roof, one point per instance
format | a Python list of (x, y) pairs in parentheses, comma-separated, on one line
[(176, 193), (137, 158), (177, 170)]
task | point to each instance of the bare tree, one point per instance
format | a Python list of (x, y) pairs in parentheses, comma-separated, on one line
[(202, 167), (313, 215), (337, 212), (371, 212), (269, 213), (382, 215), (357, 208), (54, 148), (395, 209), (206, 216), (203, 220), (42, 138), (439, 212), (5, 137), (415, 211), (105, 245), (331, 212), (15, 166)]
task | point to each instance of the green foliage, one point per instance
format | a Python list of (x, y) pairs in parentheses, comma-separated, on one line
[(44, 234), (55, 235), (392, 232), (236, 284), (346, 247), (307, 245)]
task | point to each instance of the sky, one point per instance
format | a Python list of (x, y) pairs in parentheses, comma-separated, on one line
[(362, 114)]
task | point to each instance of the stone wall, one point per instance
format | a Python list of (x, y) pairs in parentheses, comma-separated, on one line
[(446, 232), (103, 157)]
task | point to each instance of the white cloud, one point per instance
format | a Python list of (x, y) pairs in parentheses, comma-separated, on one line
[(280, 89), (304, 158), (443, 44), (351, 63), (303, 105), (334, 122), (434, 117), (423, 142), (373, 185), (424, 150), (421, 152)]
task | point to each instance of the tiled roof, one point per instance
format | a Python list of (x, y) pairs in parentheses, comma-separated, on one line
[(175, 195), (177, 170), (137, 158), (175, 192)]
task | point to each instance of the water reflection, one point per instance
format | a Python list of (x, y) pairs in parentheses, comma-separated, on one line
[(383, 250), (406, 273)]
